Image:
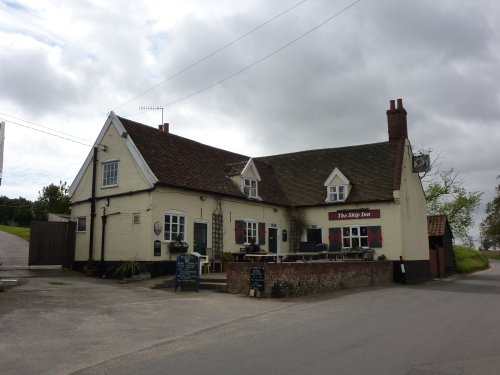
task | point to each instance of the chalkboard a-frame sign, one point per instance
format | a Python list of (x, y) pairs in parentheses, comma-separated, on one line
[(257, 278), (187, 271)]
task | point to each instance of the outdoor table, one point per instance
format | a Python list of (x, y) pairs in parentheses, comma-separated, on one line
[(273, 256), (238, 257)]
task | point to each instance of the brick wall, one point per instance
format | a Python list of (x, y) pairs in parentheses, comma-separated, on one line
[(299, 279)]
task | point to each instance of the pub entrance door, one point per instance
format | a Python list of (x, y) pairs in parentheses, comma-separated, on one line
[(200, 237), (273, 239)]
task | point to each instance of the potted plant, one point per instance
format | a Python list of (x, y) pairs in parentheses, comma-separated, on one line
[(177, 245), (253, 247), (223, 258), (129, 269)]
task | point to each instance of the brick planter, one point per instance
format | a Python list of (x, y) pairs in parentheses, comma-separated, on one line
[(300, 279)]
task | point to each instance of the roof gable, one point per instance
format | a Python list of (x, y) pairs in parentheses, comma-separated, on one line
[(336, 175), (250, 171), (114, 121)]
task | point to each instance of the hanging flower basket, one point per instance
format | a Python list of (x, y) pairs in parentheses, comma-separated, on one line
[(178, 249), (178, 245)]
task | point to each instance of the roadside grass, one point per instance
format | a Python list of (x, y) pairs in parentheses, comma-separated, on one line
[(469, 260), (18, 231), (491, 255)]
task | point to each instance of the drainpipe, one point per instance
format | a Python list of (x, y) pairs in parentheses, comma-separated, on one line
[(92, 205), (104, 218)]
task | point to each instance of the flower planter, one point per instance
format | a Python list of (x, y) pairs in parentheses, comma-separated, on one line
[(178, 249)]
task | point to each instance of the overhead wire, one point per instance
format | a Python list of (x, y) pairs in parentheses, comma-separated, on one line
[(286, 45), (44, 127), (45, 132), (211, 54)]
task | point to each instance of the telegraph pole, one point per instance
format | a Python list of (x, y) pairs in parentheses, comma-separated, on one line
[(2, 137)]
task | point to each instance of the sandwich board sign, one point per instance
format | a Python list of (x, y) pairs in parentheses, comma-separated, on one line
[(187, 271)]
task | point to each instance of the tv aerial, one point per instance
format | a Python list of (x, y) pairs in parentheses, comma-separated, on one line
[(152, 108)]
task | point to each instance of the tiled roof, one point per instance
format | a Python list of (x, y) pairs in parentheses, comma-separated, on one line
[(181, 162), (235, 169), (289, 179), (370, 169), (436, 225)]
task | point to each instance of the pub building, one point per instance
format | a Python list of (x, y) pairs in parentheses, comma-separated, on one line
[(165, 195)]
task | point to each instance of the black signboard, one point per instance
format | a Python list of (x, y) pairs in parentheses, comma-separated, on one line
[(157, 248), (284, 235), (257, 278), (187, 272)]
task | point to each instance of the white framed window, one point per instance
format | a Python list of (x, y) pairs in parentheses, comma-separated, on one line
[(81, 224), (354, 236), (250, 187), (251, 232), (110, 173), (337, 187), (337, 193), (175, 226)]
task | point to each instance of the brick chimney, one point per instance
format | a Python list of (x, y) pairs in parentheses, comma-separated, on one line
[(396, 121), (164, 127)]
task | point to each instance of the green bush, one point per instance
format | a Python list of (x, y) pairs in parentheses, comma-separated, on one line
[(224, 257), (469, 260)]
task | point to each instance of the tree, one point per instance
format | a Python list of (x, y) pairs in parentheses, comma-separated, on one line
[(53, 199), (447, 195), (18, 211), (24, 212), (490, 227)]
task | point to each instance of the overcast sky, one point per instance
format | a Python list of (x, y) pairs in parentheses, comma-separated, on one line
[(66, 64)]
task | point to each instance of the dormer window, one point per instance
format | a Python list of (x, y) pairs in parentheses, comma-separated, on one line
[(337, 187), (249, 180), (250, 187), (337, 193)]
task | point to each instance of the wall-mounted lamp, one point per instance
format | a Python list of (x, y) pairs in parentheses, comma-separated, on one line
[(275, 209), (107, 201), (202, 198)]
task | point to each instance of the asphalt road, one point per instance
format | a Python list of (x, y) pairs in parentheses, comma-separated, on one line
[(444, 327), (13, 250), (81, 325)]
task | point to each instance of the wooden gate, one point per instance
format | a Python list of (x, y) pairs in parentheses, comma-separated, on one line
[(52, 243)]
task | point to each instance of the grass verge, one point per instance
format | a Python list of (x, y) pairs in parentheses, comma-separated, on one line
[(491, 254), (469, 260), (18, 231)]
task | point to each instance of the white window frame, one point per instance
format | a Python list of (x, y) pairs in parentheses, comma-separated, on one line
[(177, 224), (355, 236), (251, 228), (106, 183), (78, 219), (337, 193), (250, 187)]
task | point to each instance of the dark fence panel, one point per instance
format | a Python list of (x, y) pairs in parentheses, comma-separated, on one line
[(52, 243)]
